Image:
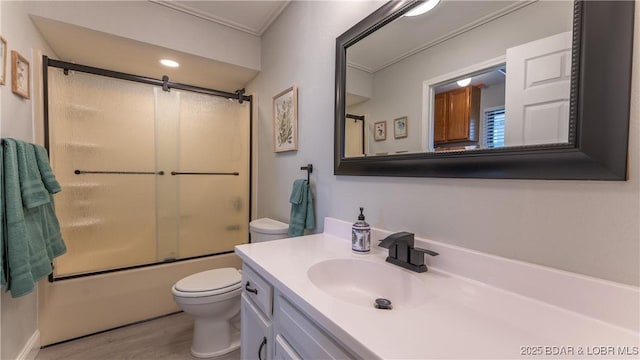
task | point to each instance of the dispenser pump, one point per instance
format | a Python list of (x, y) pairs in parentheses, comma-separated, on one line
[(361, 235)]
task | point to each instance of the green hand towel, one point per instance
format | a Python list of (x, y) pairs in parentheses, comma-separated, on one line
[(3, 225), (32, 234), (51, 229), (32, 188), (298, 192), (302, 212), (49, 180)]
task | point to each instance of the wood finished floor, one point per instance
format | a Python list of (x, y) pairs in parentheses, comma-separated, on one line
[(167, 338)]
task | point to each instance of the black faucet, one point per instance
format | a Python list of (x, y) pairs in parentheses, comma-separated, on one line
[(403, 253)]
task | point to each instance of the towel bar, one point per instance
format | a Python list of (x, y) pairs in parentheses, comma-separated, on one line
[(80, 172), (309, 169), (205, 173)]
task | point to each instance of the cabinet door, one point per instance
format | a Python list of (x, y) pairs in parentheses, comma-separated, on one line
[(255, 329), (303, 337), (284, 351), (458, 122), (439, 118)]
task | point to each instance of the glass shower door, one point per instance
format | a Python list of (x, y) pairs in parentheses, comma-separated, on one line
[(148, 176), (101, 140), (213, 153)]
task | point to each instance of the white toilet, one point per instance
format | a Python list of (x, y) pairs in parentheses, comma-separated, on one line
[(266, 229), (212, 297)]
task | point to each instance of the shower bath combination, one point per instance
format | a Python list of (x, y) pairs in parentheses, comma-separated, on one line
[(153, 171)]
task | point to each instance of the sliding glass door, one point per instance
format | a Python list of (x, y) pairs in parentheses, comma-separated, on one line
[(148, 175)]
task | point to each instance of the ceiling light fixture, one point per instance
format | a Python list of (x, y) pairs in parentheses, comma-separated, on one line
[(169, 63), (464, 82), (423, 8)]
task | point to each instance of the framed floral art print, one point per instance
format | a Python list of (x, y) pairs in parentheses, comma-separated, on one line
[(400, 128), (20, 75), (380, 131), (3, 60), (285, 120)]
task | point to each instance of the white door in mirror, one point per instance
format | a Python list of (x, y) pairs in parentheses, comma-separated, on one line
[(538, 87)]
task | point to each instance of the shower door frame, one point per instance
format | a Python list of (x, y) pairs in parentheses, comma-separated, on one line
[(166, 85)]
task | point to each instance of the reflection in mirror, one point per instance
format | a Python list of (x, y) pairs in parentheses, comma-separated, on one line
[(461, 105), (517, 54)]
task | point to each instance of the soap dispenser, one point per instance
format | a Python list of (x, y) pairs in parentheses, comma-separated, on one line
[(361, 235)]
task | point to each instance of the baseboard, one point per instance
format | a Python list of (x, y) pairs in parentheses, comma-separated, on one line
[(31, 348), (110, 329)]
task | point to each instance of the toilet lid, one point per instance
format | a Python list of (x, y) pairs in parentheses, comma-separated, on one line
[(217, 279), (268, 226)]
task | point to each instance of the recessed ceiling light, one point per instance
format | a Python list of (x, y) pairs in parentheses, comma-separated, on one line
[(169, 63), (464, 82), (423, 8)]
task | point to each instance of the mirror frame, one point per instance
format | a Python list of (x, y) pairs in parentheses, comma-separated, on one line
[(601, 89)]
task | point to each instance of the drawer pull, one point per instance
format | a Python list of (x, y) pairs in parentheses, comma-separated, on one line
[(246, 287), (264, 342)]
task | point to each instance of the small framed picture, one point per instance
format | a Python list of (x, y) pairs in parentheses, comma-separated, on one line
[(20, 75), (400, 127), (285, 120), (3, 59), (380, 131)]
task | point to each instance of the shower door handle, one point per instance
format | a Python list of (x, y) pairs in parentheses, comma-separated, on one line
[(247, 287)]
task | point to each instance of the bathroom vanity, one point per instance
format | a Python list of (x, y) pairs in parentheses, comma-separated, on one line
[(311, 297), (275, 328)]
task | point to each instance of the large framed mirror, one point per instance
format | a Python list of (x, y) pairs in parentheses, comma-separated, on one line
[(486, 89)]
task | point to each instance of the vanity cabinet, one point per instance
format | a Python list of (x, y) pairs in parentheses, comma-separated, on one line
[(297, 337), (283, 332), (256, 316), (456, 115)]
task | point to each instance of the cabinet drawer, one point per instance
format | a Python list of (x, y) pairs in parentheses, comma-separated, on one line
[(303, 337), (258, 290)]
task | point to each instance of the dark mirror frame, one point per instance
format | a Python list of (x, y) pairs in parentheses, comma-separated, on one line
[(599, 109)]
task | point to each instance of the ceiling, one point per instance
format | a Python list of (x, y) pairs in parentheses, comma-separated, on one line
[(253, 17), (108, 51), (406, 36)]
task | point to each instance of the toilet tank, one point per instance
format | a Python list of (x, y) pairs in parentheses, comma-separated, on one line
[(266, 229)]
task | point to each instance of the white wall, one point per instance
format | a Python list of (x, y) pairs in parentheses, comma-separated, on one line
[(19, 316), (359, 82), (586, 227), (491, 96)]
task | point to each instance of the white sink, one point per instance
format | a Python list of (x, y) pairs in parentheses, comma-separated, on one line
[(361, 282)]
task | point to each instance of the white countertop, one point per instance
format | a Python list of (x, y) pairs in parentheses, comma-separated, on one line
[(462, 318)]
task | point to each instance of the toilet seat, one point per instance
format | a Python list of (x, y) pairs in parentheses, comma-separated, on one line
[(209, 283)]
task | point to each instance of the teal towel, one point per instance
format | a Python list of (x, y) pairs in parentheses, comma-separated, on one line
[(49, 180), (302, 213), (32, 189), (3, 227), (31, 233)]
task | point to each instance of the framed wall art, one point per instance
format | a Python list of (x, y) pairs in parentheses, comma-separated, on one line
[(20, 75), (285, 120), (380, 131), (400, 127), (3, 60)]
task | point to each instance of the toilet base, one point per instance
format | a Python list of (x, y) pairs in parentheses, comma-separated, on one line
[(214, 338), (235, 345)]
